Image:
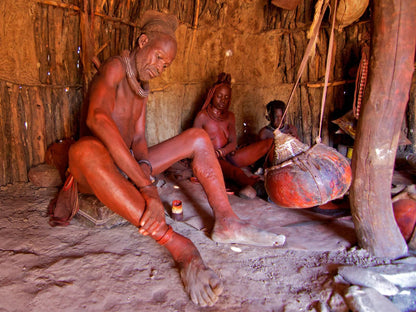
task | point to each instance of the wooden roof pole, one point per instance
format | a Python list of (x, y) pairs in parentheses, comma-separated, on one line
[(87, 41), (383, 109)]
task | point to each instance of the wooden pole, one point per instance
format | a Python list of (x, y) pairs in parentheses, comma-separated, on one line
[(96, 13), (87, 43), (390, 74), (412, 114)]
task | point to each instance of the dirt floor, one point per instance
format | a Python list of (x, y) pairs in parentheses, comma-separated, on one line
[(89, 268)]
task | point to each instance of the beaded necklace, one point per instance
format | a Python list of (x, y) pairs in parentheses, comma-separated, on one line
[(131, 78), (211, 115)]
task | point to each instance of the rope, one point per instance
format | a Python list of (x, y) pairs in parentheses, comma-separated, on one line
[(305, 58), (308, 51), (328, 66)]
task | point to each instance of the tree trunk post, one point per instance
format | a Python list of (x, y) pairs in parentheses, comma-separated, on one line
[(390, 75)]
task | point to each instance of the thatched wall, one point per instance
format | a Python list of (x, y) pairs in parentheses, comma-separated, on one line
[(45, 62)]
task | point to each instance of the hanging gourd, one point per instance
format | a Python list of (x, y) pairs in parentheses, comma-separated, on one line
[(301, 176)]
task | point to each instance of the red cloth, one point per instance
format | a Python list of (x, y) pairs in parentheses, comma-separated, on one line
[(65, 205)]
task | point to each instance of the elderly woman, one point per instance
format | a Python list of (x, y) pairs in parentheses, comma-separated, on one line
[(116, 148)]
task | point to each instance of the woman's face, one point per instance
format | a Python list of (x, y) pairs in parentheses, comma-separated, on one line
[(221, 98), (276, 117)]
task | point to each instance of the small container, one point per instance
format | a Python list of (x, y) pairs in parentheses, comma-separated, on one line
[(177, 212), (349, 152), (194, 179)]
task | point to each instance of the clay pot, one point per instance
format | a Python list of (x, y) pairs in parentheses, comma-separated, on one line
[(310, 178), (57, 155), (405, 214)]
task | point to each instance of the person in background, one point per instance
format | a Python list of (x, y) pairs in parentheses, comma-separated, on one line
[(274, 114), (219, 122)]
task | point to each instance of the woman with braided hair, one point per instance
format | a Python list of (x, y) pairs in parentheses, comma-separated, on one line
[(216, 119)]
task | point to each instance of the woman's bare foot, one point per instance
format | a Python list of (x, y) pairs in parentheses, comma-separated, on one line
[(240, 232), (201, 283)]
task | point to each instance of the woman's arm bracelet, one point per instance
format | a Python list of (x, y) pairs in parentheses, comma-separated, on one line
[(145, 161)]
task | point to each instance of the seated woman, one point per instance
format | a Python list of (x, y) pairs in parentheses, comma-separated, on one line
[(219, 123), (274, 114)]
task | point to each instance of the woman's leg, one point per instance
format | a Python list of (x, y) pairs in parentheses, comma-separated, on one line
[(196, 144), (248, 155)]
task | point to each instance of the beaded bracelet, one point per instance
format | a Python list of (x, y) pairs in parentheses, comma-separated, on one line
[(145, 161)]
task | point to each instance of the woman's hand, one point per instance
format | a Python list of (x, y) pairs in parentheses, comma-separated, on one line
[(153, 217)]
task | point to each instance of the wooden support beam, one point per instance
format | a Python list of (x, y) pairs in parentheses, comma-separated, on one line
[(60, 4), (43, 85), (411, 113), (87, 43), (78, 9), (383, 109), (330, 84)]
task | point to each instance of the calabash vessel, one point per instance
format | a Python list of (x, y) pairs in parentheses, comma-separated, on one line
[(300, 176), (405, 214)]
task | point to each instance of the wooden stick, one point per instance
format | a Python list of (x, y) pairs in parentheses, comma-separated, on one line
[(76, 8), (59, 4), (102, 48), (159, 89), (196, 15), (330, 84), (76, 86)]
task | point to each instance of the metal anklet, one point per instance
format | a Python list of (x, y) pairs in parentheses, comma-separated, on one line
[(145, 161), (165, 237)]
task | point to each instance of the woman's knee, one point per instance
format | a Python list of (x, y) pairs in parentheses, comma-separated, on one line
[(86, 149), (199, 137)]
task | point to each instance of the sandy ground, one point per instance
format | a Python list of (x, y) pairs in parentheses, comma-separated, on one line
[(84, 268)]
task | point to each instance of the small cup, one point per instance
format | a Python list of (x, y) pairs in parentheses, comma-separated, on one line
[(177, 212)]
